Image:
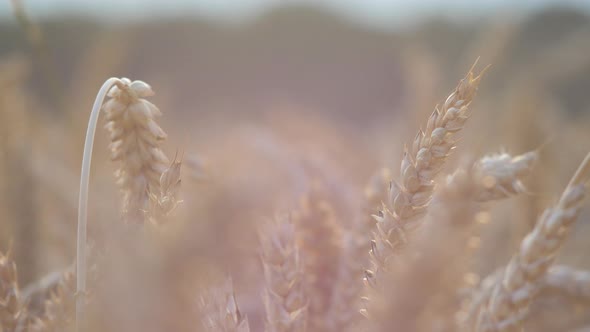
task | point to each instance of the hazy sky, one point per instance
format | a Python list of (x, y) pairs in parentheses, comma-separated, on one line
[(376, 12)]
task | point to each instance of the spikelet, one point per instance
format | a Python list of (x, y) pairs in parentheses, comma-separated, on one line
[(135, 144), (220, 311), (505, 306), (59, 307), (422, 161), (11, 308), (318, 236), (284, 298), (163, 202)]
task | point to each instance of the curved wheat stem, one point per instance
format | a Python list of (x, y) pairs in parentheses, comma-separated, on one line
[(83, 201)]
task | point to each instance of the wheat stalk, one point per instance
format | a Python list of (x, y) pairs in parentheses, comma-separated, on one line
[(505, 306), (284, 297), (83, 202), (134, 141)]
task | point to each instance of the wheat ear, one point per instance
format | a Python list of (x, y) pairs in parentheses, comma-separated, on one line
[(418, 286), (506, 306), (500, 175), (11, 308), (284, 298), (221, 312), (569, 281), (135, 143), (343, 313), (422, 161), (58, 311), (318, 237)]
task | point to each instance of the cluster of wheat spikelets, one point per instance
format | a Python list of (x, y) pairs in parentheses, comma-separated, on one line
[(405, 265)]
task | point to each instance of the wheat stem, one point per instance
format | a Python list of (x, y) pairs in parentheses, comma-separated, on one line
[(83, 201)]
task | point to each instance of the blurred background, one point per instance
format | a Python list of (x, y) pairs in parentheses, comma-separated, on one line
[(271, 95)]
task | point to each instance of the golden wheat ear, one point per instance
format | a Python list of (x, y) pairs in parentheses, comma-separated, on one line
[(505, 305), (422, 162), (135, 143)]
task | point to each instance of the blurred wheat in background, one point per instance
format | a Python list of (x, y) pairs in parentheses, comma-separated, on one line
[(304, 169)]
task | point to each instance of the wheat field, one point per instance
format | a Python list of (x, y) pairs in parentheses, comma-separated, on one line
[(297, 173)]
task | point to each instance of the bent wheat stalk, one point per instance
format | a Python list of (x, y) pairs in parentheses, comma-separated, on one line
[(134, 136), (83, 201)]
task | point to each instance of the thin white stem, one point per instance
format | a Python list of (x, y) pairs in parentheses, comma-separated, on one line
[(83, 203)]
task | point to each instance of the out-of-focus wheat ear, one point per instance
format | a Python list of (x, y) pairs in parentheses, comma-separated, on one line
[(135, 144), (59, 307), (506, 304), (164, 201), (421, 163), (420, 287), (284, 296), (343, 313), (220, 311), (319, 237), (568, 281), (11, 308), (500, 175)]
